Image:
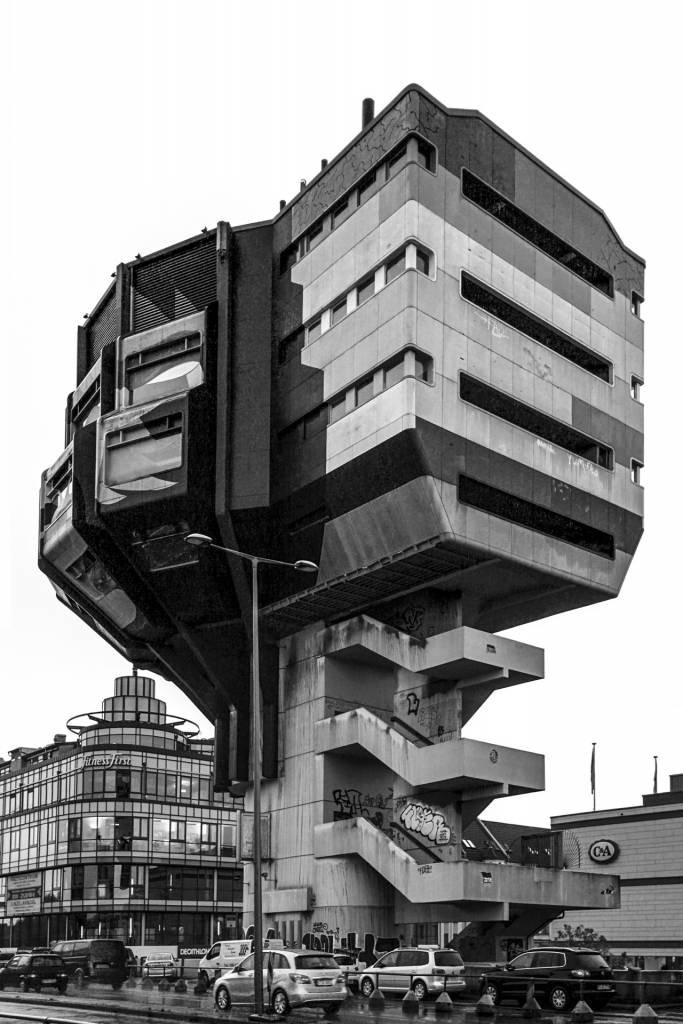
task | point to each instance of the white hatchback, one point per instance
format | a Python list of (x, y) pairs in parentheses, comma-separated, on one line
[(291, 977), (425, 971)]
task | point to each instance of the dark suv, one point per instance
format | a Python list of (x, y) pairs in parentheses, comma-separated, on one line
[(560, 975), (103, 960), (33, 970)]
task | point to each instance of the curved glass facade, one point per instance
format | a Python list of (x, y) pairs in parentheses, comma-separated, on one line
[(118, 833)]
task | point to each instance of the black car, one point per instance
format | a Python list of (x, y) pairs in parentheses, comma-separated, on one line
[(33, 970), (102, 960), (560, 975)]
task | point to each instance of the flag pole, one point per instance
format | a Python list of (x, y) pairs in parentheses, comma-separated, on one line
[(593, 775), (654, 784)]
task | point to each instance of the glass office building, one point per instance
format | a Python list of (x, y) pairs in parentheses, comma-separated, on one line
[(118, 833)]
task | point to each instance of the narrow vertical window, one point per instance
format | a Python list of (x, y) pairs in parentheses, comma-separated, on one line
[(636, 472), (636, 385), (636, 302)]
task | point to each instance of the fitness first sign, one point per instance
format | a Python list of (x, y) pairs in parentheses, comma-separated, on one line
[(107, 760)]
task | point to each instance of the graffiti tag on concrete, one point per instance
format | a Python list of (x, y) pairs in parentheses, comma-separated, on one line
[(425, 821)]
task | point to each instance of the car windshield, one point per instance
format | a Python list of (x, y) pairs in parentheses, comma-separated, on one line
[(447, 958), (591, 961), (315, 961), (159, 956)]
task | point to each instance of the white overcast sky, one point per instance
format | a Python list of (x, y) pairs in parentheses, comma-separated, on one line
[(128, 126)]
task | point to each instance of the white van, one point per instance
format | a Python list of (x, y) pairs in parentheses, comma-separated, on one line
[(223, 956)]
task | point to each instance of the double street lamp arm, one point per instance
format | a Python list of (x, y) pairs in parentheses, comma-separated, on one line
[(204, 541)]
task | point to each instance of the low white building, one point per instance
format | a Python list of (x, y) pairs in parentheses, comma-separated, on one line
[(644, 846)]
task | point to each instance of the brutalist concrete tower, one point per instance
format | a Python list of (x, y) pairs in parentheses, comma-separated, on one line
[(423, 374)]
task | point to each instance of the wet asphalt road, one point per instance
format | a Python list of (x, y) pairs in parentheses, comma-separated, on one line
[(100, 1005)]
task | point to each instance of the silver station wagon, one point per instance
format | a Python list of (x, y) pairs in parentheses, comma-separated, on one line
[(291, 978), (426, 971)]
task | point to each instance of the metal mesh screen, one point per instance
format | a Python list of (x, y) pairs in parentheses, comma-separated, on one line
[(174, 285), (102, 327)]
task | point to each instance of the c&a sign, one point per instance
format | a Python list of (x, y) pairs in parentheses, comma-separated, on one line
[(603, 851)]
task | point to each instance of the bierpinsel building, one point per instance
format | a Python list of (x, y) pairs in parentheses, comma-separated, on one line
[(422, 373), (117, 833)]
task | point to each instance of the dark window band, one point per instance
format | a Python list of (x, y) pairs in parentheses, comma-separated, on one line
[(549, 243), (534, 517), (528, 323), (525, 416)]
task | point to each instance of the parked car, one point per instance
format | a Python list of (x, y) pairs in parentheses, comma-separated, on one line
[(94, 960), (350, 968), (561, 976), (298, 977), (160, 965), (425, 971), (33, 970)]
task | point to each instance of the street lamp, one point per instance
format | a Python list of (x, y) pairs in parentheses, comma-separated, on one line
[(201, 540)]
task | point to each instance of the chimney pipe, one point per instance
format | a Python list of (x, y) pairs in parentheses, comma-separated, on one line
[(323, 164), (368, 111), (283, 203), (302, 185)]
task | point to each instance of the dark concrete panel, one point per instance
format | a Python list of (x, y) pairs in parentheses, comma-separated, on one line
[(626, 441)]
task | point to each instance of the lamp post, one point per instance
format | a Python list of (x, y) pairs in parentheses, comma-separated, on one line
[(201, 540)]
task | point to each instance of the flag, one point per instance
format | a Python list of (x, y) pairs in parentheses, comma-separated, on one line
[(654, 781)]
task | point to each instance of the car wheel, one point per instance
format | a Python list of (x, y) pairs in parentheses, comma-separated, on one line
[(367, 987), (558, 997), (331, 1009), (116, 985), (420, 990), (491, 989), (280, 1003), (223, 999), (203, 978), (61, 988), (24, 985), (79, 976), (37, 986)]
